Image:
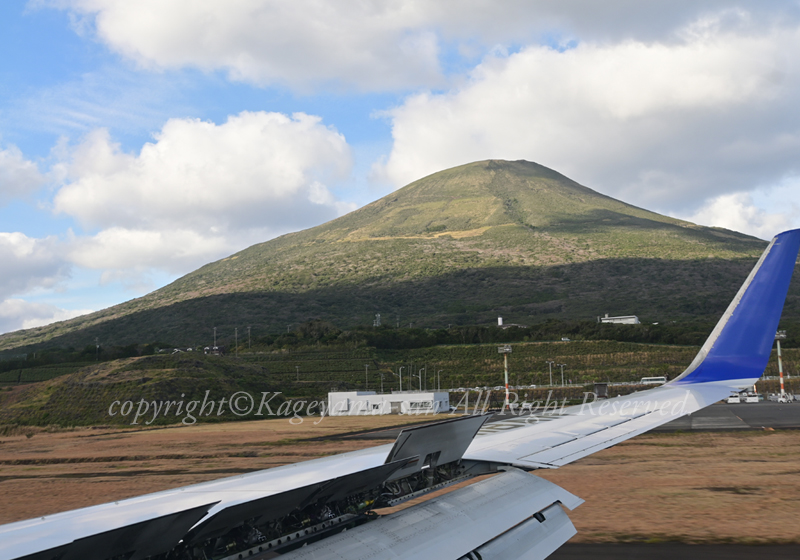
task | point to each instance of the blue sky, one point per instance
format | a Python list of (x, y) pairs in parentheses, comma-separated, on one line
[(141, 140)]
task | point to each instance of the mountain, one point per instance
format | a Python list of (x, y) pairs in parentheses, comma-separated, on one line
[(461, 246)]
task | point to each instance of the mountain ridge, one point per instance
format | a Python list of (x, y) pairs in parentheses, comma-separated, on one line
[(455, 247)]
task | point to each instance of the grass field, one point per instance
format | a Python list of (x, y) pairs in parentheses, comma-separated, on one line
[(686, 487)]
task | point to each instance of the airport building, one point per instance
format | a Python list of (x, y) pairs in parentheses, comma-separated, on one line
[(622, 320), (356, 403)]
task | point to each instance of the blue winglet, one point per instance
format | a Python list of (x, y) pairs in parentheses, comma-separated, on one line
[(740, 345)]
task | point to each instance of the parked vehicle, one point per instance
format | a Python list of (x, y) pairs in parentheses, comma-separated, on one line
[(734, 399), (659, 380)]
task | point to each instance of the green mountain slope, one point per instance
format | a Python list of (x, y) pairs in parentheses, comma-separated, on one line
[(458, 247)]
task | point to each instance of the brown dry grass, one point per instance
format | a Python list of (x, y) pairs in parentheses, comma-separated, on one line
[(690, 487), (693, 487), (44, 472)]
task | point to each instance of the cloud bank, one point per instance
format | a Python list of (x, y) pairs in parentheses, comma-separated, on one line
[(665, 126), (29, 263), (19, 177), (201, 191), (375, 45), (18, 314)]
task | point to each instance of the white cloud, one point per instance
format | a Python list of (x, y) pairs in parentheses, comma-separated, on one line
[(135, 250), (20, 314), (18, 176), (661, 124), (374, 44), (370, 44), (739, 212), (29, 263), (201, 190)]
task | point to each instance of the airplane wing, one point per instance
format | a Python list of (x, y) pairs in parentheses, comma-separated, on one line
[(331, 508), (733, 358)]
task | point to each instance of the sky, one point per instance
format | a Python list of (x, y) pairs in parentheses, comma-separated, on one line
[(141, 140)]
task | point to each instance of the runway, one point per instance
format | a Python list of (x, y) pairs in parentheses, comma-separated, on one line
[(719, 416), (671, 551), (723, 416)]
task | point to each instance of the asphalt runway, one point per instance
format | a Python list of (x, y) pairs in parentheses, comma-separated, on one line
[(719, 416), (672, 551), (723, 416)]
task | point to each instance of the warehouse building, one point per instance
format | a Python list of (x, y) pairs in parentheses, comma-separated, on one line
[(622, 320), (356, 403)]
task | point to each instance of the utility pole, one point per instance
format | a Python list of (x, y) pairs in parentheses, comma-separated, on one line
[(562, 366), (505, 351), (366, 376), (401, 378), (248, 338), (439, 380), (236, 340), (550, 365), (381, 374), (780, 335), (425, 369), (96, 349), (297, 368), (215, 337)]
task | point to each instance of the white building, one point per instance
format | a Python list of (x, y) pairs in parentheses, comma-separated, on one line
[(369, 402), (622, 320)]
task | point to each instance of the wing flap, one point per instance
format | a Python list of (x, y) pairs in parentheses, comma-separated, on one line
[(534, 539), (448, 526)]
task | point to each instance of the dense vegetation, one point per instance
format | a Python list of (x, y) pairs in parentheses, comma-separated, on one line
[(317, 357), (319, 337), (85, 397)]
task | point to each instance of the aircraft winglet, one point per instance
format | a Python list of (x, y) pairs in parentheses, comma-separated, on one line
[(740, 345)]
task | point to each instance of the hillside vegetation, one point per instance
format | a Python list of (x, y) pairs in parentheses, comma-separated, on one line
[(459, 247), (84, 397)]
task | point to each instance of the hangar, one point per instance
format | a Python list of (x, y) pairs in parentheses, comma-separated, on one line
[(355, 403)]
